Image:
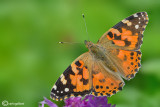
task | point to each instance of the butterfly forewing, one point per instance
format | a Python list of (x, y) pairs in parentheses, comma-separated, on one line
[(75, 80), (127, 34)]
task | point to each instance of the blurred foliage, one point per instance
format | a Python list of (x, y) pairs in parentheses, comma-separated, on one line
[(31, 60)]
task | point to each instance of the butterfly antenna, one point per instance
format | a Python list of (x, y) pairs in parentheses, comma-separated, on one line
[(85, 25), (69, 43)]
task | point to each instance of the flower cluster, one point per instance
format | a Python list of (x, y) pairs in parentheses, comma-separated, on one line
[(88, 101)]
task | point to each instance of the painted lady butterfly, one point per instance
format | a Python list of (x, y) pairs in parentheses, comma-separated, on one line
[(100, 71)]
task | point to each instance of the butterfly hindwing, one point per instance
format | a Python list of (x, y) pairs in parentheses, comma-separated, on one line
[(105, 82), (74, 81), (127, 62)]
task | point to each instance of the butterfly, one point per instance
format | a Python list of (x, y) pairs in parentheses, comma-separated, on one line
[(99, 71)]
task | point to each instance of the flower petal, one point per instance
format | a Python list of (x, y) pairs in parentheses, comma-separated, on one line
[(48, 102)]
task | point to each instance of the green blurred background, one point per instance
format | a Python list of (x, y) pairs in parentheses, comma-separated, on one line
[(31, 60)]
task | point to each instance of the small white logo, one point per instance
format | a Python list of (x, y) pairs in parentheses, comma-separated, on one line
[(6, 103)]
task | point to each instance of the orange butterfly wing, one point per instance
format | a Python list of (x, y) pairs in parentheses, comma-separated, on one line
[(127, 34), (105, 82), (123, 42), (75, 80)]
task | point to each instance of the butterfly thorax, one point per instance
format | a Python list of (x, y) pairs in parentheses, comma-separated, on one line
[(95, 50), (99, 54)]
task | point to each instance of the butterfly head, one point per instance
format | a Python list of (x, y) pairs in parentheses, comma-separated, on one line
[(88, 44), (93, 48)]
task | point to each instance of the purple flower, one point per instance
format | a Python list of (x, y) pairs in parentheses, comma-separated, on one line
[(88, 101), (73, 101), (48, 102)]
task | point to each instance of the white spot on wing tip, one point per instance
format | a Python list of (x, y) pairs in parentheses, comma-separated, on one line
[(66, 89), (135, 15), (136, 26), (55, 87)]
